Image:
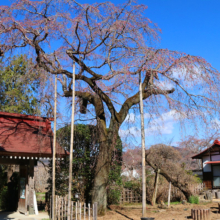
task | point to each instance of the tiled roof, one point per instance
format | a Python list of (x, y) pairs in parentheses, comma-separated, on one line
[(25, 135), (199, 155)]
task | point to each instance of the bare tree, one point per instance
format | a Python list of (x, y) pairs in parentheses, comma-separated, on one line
[(165, 159), (131, 165), (110, 44)]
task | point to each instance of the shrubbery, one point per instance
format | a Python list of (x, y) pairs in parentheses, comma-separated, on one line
[(4, 198), (8, 191), (194, 199), (3, 187), (113, 195)]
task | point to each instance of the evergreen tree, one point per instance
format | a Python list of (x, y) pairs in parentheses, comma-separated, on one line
[(18, 87)]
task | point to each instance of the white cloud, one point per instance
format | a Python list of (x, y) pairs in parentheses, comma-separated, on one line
[(189, 76), (147, 115), (163, 124), (134, 131), (164, 84), (215, 123), (131, 118), (166, 128)]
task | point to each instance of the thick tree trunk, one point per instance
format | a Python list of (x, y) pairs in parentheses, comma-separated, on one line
[(99, 192), (103, 166)]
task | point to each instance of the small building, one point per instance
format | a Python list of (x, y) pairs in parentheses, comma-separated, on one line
[(25, 139), (130, 173), (210, 165)]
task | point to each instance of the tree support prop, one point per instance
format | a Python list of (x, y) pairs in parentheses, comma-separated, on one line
[(201, 214)]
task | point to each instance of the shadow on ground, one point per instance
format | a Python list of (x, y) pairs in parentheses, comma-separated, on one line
[(123, 215), (19, 216), (4, 215)]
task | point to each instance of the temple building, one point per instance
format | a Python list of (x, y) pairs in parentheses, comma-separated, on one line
[(25, 139)]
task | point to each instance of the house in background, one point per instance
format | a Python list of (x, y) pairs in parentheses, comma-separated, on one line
[(130, 173), (210, 165)]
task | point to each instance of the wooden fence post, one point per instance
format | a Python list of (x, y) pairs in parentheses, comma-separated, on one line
[(169, 194), (84, 211), (89, 210), (80, 210), (123, 196), (76, 210), (51, 206), (58, 208), (95, 211)]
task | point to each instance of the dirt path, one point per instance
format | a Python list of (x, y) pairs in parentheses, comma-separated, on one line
[(177, 212)]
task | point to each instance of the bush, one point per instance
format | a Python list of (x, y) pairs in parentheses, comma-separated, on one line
[(113, 196), (194, 199), (134, 185), (4, 203)]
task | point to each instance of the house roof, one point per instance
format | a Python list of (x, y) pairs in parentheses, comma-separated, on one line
[(26, 135), (212, 162), (202, 153)]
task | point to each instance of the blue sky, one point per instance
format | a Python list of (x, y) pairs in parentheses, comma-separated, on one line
[(191, 26)]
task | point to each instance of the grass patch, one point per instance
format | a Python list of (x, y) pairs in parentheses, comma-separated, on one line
[(194, 199), (174, 203), (204, 203), (40, 196), (40, 193), (131, 204)]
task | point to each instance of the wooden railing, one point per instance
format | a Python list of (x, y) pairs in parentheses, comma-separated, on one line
[(79, 211), (130, 196)]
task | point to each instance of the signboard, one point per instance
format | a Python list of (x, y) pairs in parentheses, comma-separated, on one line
[(22, 188)]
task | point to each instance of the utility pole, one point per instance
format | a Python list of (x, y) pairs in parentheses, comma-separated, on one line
[(143, 149), (54, 150), (71, 146)]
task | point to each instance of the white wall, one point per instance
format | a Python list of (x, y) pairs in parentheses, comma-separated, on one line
[(206, 167)]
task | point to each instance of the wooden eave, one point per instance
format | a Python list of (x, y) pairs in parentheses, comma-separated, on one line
[(213, 150)]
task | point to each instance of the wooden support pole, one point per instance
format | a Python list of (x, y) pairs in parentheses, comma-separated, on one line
[(155, 187), (143, 148), (31, 188), (54, 151), (201, 214), (95, 211), (71, 145), (169, 194)]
